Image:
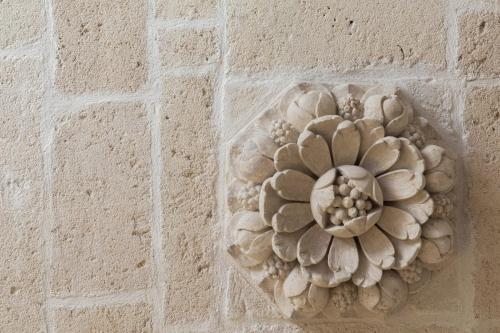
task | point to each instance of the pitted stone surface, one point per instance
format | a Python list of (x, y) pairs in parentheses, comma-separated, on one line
[(101, 45), (265, 35), (21, 22), (188, 198), (101, 199), (186, 9), (21, 200), (133, 318), (188, 47)]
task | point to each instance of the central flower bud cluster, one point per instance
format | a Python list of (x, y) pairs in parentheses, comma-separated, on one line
[(348, 203)]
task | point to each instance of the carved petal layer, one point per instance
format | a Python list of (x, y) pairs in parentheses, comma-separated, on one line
[(322, 197), (251, 165), (285, 244), (325, 126), (345, 144), (406, 251), (400, 184), (370, 130), (292, 217), (313, 246), (367, 273), (269, 202), (377, 248), (420, 206), (381, 155), (322, 276), (409, 158), (314, 152), (364, 181), (343, 256), (288, 157), (295, 283), (293, 185), (398, 223), (356, 226)]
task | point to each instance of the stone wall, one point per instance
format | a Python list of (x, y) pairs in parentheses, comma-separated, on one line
[(113, 120)]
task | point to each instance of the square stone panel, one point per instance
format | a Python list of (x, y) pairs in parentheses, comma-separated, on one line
[(101, 200), (280, 227), (21, 22)]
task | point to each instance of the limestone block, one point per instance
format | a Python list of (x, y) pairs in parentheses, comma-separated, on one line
[(266, 35), (186, 9), (101, 45), (21, 203), (189, 151), (479, 45), (188, 47), (21, 22), (130, 318), (102, 201), (482, 123)]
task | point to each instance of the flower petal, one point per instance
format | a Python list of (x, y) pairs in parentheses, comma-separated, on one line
[(367, 273), (315, 152), (318, 297), (356, 226), (269, 202), (285, 244), (295, 283), (398, 223), (377, 248), (250, 221), (409, 158), (369, 297), (320, 275), (437, 228), (373, 107), (346, 89), (429, 253), (324, 126), (260, 249), (438, 182), (406, 251), (251, 165), (393, 290), (432, 155), (288, 157), (396, 126), (293, 185), (420, 206), (370, 130), (292, 217), (381, 155), (322, 197), (265, 145), (364, 181), (313, 246), (400, 184), (343, 256), (284, 303), (298, 117), (345, 144)]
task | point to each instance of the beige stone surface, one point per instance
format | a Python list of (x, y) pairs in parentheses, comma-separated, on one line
[(101, 45), (191, 231), (479, 45), (482, 123), (21, 22), (132, 318), (102, 202), (265, 35), (186, 9), (188, 47), (21, 195)]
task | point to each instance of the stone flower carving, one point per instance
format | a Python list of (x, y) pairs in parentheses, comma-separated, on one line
[(338, 201)]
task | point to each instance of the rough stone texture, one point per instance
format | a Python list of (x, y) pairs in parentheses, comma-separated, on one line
[(264, 35), (135, 318), (101, 45), (101, 199), (21, 203), (21, 22), (188, 198), (188, 47), (479, 45), (482, 124), (186, 9)]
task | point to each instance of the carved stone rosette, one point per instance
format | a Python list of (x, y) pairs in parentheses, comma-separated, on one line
[(338, 198)]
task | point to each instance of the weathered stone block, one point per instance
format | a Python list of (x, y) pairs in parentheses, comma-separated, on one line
[(21, 203), (186, 9), (482, 123), (130, 318), (189, 150), (21, 22), (265, 35), (101, 199), (188, 47), (101, 45), (479, 45)]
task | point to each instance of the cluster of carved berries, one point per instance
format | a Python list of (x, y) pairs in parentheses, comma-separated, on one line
[(348, 203), (282, 132), (275, 267), (442, 206), (343, 296), (350, 108), (412, 273), (415, 135), (249, 196)]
